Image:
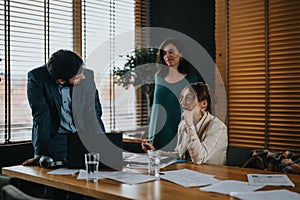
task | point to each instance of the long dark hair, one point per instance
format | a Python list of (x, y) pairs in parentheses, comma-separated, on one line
[(184, 65), (202, 92)]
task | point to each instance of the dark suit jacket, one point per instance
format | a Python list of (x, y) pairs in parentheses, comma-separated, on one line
[(45, 102)]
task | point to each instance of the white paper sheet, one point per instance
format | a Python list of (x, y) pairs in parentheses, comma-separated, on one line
[(135, 160), (228, 186), (63, 171), (101, 175), (124, 177), (135, 157), (188, 178), (270, 179), (131, 178), (267, 195)]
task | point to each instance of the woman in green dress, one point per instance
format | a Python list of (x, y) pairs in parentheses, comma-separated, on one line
[(174, 73)]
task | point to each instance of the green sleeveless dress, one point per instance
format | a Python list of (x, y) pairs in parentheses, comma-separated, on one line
[(166, 112)]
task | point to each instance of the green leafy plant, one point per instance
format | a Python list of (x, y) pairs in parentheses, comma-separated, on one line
[(139, 68), (139, 71)]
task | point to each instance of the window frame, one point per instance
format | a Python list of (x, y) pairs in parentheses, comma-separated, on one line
[(78, 37)]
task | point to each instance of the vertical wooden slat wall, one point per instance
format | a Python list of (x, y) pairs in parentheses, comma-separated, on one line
[(246, 73), (141, 20), (221, 56), (284, 74), (261, 58), (77, 27)]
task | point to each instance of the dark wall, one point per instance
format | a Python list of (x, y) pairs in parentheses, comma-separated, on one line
[(194, 18), (15, 154)]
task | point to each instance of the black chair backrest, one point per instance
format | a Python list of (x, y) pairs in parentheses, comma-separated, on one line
[(4, 180), (10, 192), (237, 156)]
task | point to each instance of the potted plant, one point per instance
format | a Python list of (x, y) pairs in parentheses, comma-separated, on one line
[(138, 71)]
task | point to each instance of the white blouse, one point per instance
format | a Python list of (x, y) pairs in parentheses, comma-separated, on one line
[(208, 146)]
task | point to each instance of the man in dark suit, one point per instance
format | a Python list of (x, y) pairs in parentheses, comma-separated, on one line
[(63, 97)]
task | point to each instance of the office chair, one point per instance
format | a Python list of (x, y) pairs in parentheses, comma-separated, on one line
[(237, 156), (4, 180), (10, 192)]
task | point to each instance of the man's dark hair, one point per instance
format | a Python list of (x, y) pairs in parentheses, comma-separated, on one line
[(64, 64)]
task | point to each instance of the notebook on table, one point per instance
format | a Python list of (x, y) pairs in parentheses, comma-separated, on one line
[(109, 147)]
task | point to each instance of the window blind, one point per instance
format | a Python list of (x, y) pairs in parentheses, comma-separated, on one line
[(246, 73), (23, 32), (29, 31), (221, 57), (103, 21), (260, 59), (142, 19), (284, 75), (59, 25), (2, 70)]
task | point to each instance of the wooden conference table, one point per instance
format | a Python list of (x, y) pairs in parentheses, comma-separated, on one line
[(160, 189)]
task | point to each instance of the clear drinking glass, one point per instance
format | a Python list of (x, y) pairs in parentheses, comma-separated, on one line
[(154, 162), (92, 164)]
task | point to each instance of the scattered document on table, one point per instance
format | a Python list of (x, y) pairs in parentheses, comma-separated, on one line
[(228, 186), (63, 171), (188, 178), (124, 177), (140, 160), (101, 174), (267, 195), (270, 179), (131, 178)]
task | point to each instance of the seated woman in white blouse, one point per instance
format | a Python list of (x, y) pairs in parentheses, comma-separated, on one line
[(202, 137)]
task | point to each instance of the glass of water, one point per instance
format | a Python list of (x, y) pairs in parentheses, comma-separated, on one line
[(153, 162), (92, 164)]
